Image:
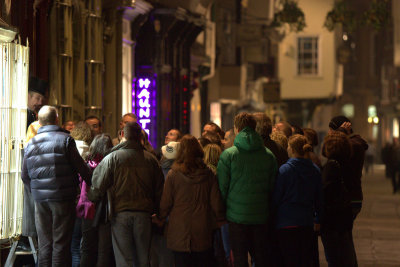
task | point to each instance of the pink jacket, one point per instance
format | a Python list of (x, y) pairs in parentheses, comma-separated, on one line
[(85, 208)]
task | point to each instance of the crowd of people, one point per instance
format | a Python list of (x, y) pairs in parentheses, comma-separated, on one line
[(257, 191)]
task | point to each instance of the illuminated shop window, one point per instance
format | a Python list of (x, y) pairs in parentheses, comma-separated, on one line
[(307, 56), (14, 68)]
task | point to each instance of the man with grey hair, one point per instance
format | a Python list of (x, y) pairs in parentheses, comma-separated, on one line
[(50, 171)]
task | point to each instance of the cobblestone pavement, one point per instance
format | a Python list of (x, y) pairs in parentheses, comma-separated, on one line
[(377, 227)]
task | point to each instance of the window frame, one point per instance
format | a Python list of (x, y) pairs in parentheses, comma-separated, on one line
[(319, 57)]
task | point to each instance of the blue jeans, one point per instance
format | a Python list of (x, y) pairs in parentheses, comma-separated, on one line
[(131, 238), (76, 243), (225, 241)]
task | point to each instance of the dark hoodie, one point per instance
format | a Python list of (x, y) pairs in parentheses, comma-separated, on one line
[(298, 194), (192, 202)]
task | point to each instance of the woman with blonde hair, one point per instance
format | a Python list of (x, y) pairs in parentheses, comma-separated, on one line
[(211, 156), (297, 198), (191, 199)]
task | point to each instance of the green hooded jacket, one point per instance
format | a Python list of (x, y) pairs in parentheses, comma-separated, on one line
[(246, 174)]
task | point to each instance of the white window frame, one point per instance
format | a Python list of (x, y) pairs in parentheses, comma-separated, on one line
[(318, 59)]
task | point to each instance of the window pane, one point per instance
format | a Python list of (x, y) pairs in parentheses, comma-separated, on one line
[(307, 56)]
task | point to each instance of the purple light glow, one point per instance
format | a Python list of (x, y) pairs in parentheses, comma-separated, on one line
[(144, 107)]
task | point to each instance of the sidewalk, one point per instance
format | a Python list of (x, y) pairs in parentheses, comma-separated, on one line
[(377, 227)]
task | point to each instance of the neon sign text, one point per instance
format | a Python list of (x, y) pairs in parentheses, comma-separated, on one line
[(144, 104)]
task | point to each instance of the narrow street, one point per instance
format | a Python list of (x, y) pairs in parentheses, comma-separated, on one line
[(377, 228)]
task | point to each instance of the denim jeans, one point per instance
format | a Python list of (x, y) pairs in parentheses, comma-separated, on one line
[(76, 243), (54, 224), (338, 247), (225, 241), (131, 238)]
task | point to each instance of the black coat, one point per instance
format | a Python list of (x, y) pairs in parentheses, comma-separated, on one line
[(336, 199), (51, 165)]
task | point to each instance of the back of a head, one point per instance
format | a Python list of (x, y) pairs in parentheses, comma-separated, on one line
[(337, 146), (48, 115), (211, 154), (190, 155), (243, 120), (133, 116), (82, 132), (298, 143), (312, 136), (100, 146), (264, 124), (133, 131), (214, 138), (297, 129), (204, 141), (90, 117), (280, 138), (285, 128)]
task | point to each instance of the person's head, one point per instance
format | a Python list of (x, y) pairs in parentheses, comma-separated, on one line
[(298, 147), (312, 136), (36, 92), (82, 132), (94, 123), (297, 129), (280, 139), (204, 141), (214, 128), (336, 122), (146, 143), (100, 146), (243, 120), (48, 116), (69, 125), (283, 127), (211, 154), (172, 135), (132, 132), (264, 125), (190, 155), (214, 138), (128, 117), (228, 139), (337, 146)]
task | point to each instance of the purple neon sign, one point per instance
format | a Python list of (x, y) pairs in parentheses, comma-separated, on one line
[(144, 103)]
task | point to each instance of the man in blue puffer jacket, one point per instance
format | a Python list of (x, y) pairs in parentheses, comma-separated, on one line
[(50, 170)]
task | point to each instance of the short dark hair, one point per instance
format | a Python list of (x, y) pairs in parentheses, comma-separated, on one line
[(296, 129), (93, 117), (337, 121), (214, 138), (133, 131), (133, 116), (100, 146), (264, 124), (243, 120), (179, 134)]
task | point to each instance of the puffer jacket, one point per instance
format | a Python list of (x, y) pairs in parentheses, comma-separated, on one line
[(132, 177), (192, 202), (246, 174), (51, 165)]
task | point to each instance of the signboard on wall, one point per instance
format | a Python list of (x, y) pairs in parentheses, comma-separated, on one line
[(144, 104)]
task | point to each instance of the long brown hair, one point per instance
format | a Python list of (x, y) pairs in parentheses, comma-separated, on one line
[(190, 155)]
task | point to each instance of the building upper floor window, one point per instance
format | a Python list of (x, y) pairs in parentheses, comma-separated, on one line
[(307, 56)]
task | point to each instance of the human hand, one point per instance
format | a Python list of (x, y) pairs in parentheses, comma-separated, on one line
[(346, 126), (157, 221)]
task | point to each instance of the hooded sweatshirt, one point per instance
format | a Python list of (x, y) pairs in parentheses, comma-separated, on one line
[(298, 194), (246, 174), (192, 202)]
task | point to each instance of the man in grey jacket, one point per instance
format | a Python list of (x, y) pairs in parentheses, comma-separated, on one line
[(135, 182)]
